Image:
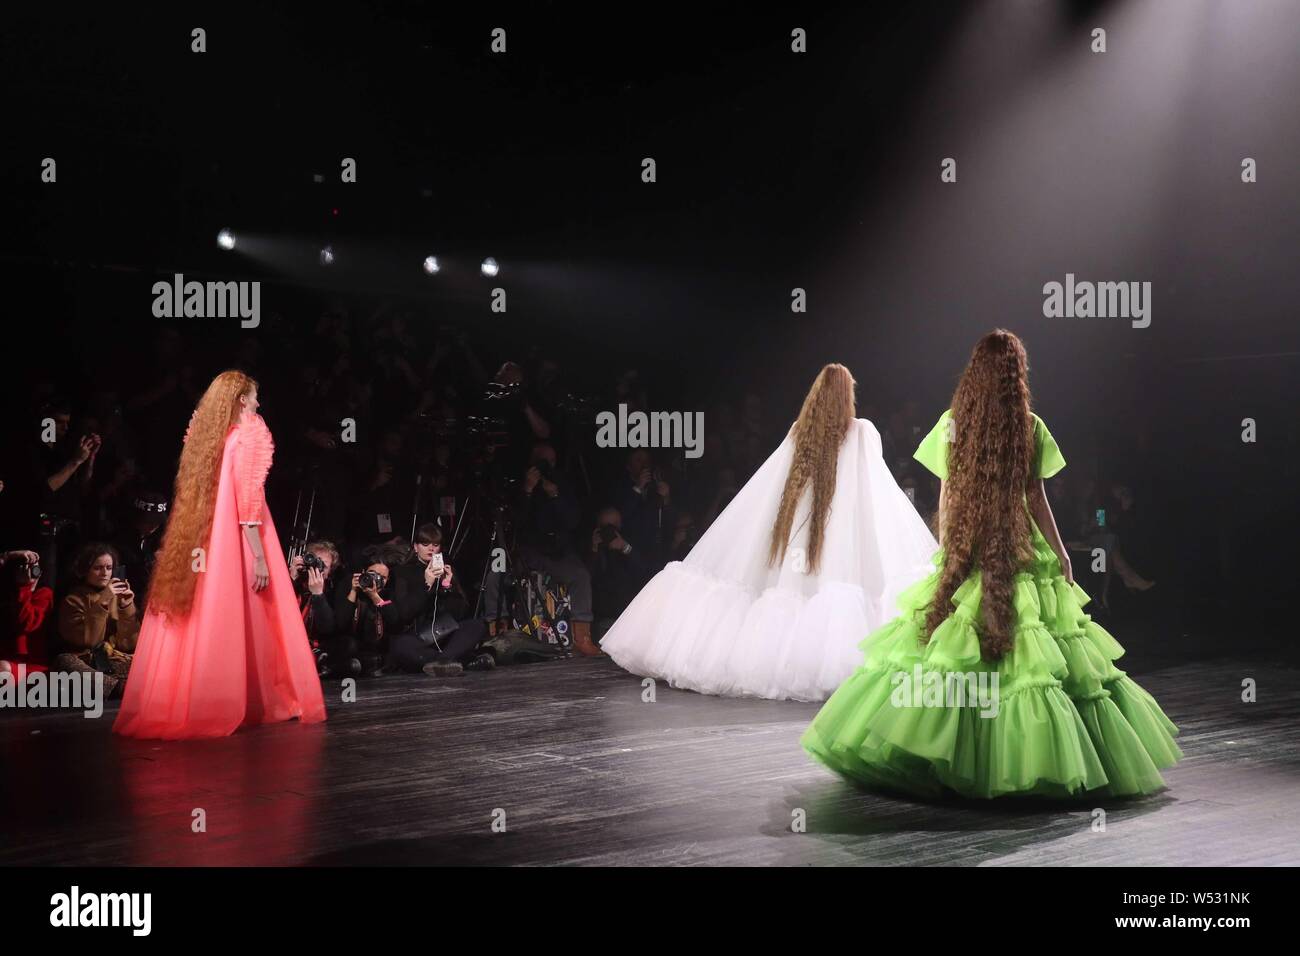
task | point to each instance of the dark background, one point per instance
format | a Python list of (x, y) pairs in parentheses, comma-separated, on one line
[(775, 170)]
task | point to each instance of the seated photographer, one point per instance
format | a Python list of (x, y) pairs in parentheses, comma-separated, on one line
[(310, 573), (545, 514), (98, 625), (24, 613), (137, 543), (685, 534), (618, 569), (439, 636), (643, 498), (366, 620)]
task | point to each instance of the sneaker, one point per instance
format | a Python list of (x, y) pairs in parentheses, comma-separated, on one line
[(481, 662)]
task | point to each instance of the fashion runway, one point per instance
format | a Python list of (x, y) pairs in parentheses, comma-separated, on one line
[(564, 763)]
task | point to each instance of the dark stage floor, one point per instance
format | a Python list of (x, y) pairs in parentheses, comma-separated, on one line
[(586, 773)]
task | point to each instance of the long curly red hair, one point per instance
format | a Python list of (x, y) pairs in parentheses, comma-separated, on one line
[(194, 499), (985, 522), (828, 410)]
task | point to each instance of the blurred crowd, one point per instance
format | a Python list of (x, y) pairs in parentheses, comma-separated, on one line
[(441, 497)]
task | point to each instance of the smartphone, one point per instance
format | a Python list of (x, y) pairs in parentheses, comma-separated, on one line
[(436, 562), (119, 572), (1101, 517)]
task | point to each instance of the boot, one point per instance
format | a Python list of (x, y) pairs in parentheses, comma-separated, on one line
[(582, 642)]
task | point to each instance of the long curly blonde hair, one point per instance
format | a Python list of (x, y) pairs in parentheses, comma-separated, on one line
[(194, 499), (824, 420), (985, 522)]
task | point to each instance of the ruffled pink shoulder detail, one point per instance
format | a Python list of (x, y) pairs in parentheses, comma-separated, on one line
[(253, 450)]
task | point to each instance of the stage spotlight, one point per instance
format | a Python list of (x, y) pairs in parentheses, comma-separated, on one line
[(489, 267), (226, 239), (431, 265), (327, 256)]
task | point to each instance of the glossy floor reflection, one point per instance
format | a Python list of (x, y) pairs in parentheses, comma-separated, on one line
[(581, 770)]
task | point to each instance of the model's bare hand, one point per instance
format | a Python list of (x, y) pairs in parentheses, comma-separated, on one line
[(261, 574)]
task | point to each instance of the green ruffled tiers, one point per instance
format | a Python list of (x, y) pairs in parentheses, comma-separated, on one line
[(1068, 720)]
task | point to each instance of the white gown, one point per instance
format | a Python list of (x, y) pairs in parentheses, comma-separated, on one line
[(723, 622)]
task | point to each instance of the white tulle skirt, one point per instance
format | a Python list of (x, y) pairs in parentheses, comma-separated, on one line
[(725, 622)]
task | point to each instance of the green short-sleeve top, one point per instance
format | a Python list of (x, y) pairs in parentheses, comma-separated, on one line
[(933, 450)]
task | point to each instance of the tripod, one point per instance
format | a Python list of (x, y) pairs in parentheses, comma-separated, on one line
[(499, 539), (297, 543)]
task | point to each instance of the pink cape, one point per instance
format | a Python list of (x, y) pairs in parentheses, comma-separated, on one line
[(240, 657)]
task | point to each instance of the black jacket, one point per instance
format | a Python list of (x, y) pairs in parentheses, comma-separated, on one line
[(369, 624), (415, 601), (544, 522), (616, 578), (317, 613)]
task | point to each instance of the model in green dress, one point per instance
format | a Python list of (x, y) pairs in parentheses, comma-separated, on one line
[(993, 681)]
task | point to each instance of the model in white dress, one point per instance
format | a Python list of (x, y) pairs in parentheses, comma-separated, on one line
[(728, 621)]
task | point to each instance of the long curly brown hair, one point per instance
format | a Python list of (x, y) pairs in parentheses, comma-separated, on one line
[(985, 523), (824, 420), (171, 589)]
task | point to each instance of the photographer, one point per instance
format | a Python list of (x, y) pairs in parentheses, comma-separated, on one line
[(62, 465), (367, 619), (383, 497), (24, 612), (439, 636), (643, 498), (618, 569), (138, 543), (526, 419), (310, 573), (65, 468), (685, 534), (545, 515), (98, 625)]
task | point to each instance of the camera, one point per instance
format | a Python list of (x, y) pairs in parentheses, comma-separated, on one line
[(33, 567), (311, 560), (53, 525), (370, 580), (608, 533)]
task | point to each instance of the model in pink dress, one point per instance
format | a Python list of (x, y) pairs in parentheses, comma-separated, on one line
[(222, 644)]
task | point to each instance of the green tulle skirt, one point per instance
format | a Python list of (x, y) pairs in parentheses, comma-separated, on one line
[(1054, 717)]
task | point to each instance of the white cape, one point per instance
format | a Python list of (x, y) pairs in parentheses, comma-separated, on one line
[(725, 622)]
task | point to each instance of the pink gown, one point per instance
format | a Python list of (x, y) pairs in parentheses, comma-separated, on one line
[(240, 657)]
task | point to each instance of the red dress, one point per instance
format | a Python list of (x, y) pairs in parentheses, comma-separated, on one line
[(240, 657), (27, 648)]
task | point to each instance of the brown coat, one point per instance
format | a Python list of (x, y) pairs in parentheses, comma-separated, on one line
[(88, 617)]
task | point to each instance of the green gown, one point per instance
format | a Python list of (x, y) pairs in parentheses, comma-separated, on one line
[(1066, 719)]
